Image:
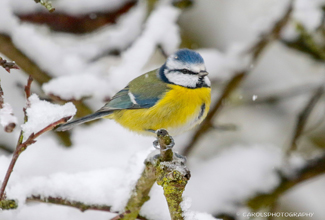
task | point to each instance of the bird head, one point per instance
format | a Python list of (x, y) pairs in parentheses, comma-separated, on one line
[(185, 68)]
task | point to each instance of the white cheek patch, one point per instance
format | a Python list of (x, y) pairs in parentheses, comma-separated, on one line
[(182, 79)]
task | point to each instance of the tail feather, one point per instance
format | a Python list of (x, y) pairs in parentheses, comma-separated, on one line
[(71, 124)]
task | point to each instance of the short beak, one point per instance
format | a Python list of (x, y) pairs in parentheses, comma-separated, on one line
[(203, 73)]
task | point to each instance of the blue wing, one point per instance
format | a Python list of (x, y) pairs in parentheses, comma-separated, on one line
[(142, 92)]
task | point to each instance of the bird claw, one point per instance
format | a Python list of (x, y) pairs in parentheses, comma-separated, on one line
[(179, 156), (168, 147), (172, 143), (156, 144)]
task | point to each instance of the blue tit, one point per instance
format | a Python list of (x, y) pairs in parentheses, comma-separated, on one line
[(175, 97)]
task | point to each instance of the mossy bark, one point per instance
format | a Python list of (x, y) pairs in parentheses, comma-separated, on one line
[(141, 191), (8, 204), (173, 183), (169, 171)]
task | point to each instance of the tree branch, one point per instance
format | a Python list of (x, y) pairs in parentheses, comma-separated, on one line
[(313, 169), (8, 65), (1, 96), (9, 50), (22, 147), (28, 66), (140, 193), (27, 87), (303, 117), (76, 204), (169, 171), (46, 4), (238, 77), (60, 201)]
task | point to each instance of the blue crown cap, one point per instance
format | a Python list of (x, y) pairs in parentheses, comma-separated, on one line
[(188, 56)]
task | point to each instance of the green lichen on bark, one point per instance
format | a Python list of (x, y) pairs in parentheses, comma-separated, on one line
[(8, 204), (140, 194), (182, 4), (173, 183), (46, 4), (169, 170)]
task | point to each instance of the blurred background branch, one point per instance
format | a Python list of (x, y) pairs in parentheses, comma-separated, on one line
[(312, 169), (238, 77)]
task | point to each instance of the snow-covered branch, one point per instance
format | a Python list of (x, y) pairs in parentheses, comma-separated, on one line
[(170, 172), (303, 117), (60, 201), (38, 120)]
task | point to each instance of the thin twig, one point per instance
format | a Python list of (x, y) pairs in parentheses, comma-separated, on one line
[(47, 4), (238, 77), (303, 117), (21, 147), (8, 65), (120, 216), (60, 201), (1, 96), (27, 87), (74, 204), (31, 139)]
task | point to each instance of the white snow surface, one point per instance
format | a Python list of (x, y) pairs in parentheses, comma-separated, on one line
[(6, 115), (235, 175), (42, 113), (77, 86), (309, 13), (99, 169)]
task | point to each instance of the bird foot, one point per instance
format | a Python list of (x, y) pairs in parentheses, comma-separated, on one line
[(169, 146)]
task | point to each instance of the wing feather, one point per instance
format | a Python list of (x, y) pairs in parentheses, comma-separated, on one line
[(142, 92)]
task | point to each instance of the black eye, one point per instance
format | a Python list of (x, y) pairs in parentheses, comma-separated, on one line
[(186, 71)]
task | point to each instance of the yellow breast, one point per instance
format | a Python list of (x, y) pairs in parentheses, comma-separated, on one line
[(178, 111)]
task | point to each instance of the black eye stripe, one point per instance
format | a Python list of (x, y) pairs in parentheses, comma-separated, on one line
[(185, 71)]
